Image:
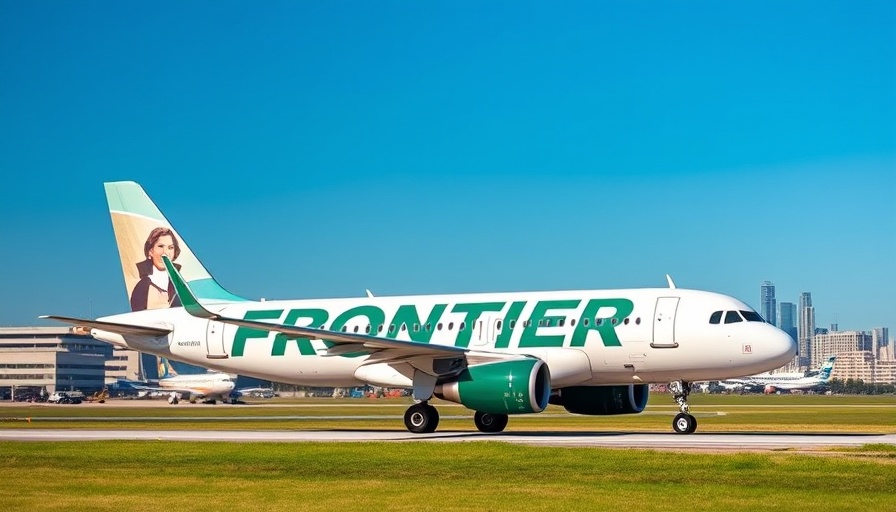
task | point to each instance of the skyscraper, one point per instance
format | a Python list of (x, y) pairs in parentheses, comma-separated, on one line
[(787, 319), (879, 340), (767, 306), (806, 331)]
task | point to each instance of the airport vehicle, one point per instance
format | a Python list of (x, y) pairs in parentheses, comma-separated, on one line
[(593, 352), (64, 397), (99, 396)]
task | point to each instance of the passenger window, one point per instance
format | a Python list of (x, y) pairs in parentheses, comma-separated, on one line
[(625, 321), (439, 326), (512, 324), (561, 322), (498, 325), (572, 323), (752, 316), (367, 329), (638, 321), (715, 317), (732, 317), (463, 325), (416, 327), (450, 325), (391, 328)]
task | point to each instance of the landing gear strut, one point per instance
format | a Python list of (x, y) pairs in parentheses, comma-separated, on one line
[(490, 423), (683, 423), (421, 418)]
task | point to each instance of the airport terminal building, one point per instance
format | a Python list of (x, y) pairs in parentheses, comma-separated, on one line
[(43, 360), (37, 360)]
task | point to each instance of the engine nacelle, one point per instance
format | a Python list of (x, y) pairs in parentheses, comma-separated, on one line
[(506, 387), (603, 400)]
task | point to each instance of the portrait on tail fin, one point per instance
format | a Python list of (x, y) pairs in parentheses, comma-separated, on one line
[(154, 289)]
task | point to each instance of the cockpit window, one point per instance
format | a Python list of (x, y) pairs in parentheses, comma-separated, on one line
[(752, 316), (715, 317), (732, 317)]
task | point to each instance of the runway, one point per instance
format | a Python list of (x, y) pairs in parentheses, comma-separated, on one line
[(661, 441)]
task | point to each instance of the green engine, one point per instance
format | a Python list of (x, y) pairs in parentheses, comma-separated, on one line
[(506, 387), (603, 400)]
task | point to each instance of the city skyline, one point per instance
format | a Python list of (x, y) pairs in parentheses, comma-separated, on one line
[(317, 150), (772, 295)]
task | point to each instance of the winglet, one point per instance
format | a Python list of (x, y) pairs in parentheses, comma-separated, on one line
[(187, 299), (671, 283), (369, 293)]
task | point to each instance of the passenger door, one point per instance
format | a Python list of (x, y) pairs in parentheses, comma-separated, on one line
[(214, 340), (664, 322)]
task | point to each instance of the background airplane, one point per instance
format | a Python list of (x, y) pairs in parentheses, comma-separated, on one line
[(772, 382), (208, 387)]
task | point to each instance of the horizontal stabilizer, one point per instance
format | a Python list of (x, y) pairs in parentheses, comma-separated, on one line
[(111, 326)]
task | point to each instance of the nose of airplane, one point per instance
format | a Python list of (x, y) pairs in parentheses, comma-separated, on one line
[(780, 347)]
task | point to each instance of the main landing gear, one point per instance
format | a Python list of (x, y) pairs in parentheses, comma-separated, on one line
[(683, 423), (490, 423), (421, 418)]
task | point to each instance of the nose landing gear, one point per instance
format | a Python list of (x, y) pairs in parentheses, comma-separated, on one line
[(683, 423)]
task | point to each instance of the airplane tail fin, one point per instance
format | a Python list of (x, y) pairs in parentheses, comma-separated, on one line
[(165, 369), (143, 234), (826, 370)]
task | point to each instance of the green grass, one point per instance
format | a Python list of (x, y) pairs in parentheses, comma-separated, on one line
[(482, 476), (123, 476)]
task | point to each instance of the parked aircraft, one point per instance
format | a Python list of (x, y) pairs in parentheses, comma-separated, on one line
[(790, 381), (593, 352), (208, 387)]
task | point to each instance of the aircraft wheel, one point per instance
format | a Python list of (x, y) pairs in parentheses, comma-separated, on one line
[(684, 423), (421, 418), (490, 423)]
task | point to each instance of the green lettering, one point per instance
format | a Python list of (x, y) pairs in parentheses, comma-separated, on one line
[(374, 315), (244, 333), (317, 316), (513, 314), (407, 314), (473, 311), (606, 328), (530, 337)]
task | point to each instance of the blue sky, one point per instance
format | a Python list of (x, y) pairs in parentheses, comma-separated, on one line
[(315, 149)]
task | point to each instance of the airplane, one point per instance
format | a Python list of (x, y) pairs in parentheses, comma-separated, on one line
[(593, 352), (208, 387), (772, 382)]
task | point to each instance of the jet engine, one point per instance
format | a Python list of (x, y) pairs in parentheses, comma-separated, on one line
[(602, 400), (505, 387)]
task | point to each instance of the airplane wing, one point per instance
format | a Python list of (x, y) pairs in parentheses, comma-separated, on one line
[(110, 326), (382, 350)]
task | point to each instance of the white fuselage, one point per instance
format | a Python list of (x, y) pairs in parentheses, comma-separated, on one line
[(587, 337), (204, 385)]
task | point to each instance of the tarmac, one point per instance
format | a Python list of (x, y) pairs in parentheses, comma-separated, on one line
[(746, 441)]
